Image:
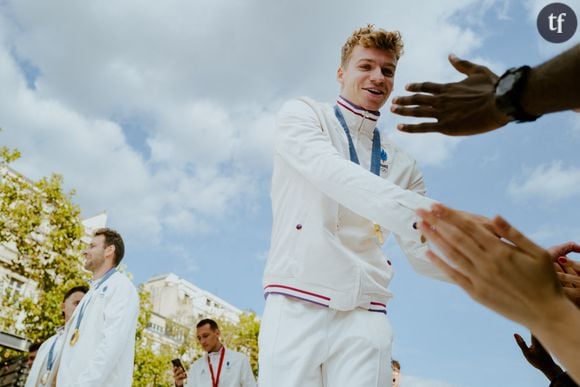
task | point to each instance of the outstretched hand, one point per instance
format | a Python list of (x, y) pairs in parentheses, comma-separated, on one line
[(513, 276), (538, 357), (461, 108)]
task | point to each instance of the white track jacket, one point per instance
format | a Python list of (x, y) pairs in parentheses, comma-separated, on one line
[(323, 248)]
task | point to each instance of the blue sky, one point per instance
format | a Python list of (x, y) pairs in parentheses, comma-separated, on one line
[(162, 115)]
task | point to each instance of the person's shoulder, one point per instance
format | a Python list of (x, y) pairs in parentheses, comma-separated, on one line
[(122, 282), (46, 343), (200, 362), (301, 104), (236, 354)]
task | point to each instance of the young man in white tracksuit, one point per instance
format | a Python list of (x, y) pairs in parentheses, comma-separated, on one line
[(99, 341), (219, 366), (338, 190)]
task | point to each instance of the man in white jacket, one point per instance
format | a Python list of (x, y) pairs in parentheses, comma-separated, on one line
[(42, 370), (219, 366), (99, 342), (338, 189)]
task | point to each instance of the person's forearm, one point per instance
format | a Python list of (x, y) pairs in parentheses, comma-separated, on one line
[(550, 86), (557, 330), (552, 371)]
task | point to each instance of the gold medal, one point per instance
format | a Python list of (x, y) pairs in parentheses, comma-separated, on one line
[(75, 337), (44, 377), (379, 234)]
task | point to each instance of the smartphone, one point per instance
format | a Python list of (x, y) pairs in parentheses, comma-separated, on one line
[(177, 363)]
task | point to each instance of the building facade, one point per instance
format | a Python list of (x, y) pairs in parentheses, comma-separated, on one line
[(177, 306)]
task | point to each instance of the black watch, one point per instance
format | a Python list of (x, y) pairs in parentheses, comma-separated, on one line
[(508, 92)]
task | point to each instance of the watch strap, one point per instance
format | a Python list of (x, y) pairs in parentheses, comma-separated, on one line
[(509, 102)]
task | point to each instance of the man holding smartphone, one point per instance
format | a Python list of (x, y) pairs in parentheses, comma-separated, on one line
[(219, 366)]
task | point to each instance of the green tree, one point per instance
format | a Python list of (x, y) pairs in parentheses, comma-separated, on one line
[(152, 360), (243, 337), (42, 227)]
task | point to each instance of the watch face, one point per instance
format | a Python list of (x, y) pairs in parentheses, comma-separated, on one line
[(506, 83), (508, 91)]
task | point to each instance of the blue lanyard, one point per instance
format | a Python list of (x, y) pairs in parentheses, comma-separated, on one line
[(50, 362), (84, 304), (376, 153)]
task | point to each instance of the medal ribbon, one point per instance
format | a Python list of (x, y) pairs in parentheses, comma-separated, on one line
[(375, 158), (50, 362), (51, 357), (376, 153), (215, 380), (107, 275)]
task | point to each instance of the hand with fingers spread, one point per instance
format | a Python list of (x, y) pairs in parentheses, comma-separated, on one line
[(512, 276), (493, 272), (481, 102), (461, 108)]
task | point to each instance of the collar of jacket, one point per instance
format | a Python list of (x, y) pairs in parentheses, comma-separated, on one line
[(359, 120)]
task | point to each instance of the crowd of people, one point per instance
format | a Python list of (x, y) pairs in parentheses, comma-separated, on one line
[(339, 188)]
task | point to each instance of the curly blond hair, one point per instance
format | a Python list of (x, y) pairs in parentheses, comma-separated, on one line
[(370, 36)]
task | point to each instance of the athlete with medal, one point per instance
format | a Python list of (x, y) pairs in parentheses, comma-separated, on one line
[(219, 366), (44, 368), (99, 345), (339, 188)]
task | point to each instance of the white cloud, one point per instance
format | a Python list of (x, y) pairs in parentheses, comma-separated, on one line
[(198, 133), (187, 263), (207, 78), (428, 149), (548, 181)]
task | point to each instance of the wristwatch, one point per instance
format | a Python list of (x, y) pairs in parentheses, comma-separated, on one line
[(508, 92)]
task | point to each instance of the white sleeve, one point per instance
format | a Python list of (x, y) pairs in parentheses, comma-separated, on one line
[(247, 376), (302, 144), (413, 249)]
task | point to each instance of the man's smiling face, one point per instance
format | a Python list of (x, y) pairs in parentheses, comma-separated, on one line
[(367, 79)]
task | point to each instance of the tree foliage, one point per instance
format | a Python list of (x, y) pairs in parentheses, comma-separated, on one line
[(243, 337), (152, 362), (42, 227)]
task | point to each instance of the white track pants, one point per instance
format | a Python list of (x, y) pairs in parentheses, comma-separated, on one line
[(305, 345)]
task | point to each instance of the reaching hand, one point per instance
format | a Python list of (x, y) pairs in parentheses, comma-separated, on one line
[(461, 108), (515, 278), (538, 357)]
